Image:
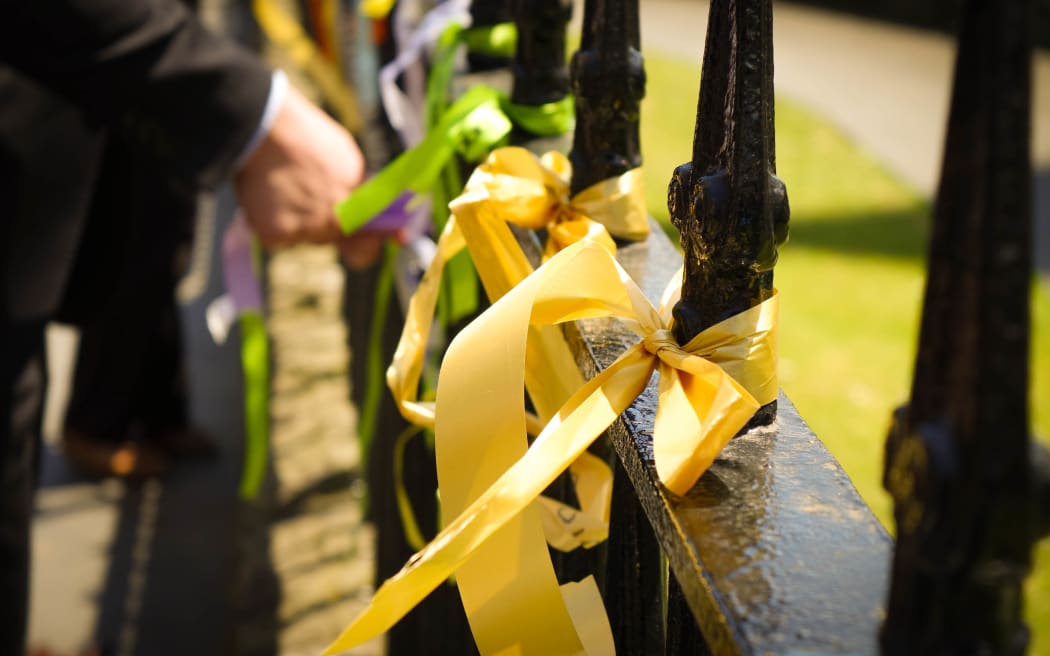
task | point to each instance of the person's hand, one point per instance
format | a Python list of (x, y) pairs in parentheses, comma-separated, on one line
[(288, 187), (363, 249)]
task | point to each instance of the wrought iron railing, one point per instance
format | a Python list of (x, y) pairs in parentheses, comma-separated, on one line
[(773, 551)]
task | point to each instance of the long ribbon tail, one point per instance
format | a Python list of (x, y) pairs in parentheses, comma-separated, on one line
[(255, 359), (493, 440), (495, 545), (404, 373), (603, 398), (366, 425)]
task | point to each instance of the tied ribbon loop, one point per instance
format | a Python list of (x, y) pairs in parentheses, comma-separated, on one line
[(708, 390), (659, 341), (514, 186)]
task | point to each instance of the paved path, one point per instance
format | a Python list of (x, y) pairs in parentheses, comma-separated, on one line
[(145, 568), (885, 86)]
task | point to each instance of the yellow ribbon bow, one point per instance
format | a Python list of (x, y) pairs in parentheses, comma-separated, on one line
[(708, 390), (513, 186)]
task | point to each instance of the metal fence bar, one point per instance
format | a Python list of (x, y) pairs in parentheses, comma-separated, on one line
[(958, 456), (609, 81), (727, 203), (540, 73)]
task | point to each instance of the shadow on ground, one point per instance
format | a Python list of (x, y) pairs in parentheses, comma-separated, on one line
[(903, 232), (893, 234)]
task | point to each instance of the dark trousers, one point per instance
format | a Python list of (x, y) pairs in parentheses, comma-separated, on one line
[(128, 380), (121, 295), (23, 379)]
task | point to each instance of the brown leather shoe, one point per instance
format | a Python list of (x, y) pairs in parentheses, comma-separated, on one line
[(130, 460)]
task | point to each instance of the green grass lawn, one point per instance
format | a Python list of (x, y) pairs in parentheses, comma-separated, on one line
[(851, 280)]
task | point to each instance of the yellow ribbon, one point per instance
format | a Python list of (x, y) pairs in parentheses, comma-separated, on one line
[(376, 9), (514, 186), (708, 390)]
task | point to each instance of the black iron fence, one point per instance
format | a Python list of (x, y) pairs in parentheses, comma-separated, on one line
[(773, 551)]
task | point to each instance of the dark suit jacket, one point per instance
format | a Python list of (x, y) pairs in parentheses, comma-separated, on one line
[(74, 73)]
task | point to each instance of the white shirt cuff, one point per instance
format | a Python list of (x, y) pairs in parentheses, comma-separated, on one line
[(274, 102)]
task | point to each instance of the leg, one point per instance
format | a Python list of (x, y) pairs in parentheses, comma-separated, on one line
[(22, 383)]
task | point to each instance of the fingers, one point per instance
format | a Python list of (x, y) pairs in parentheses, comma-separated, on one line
[(289, 186)]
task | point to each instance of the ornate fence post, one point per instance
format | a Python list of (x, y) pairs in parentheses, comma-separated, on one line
[(609, 81), (958, 456), (727, 203), (540, 74)]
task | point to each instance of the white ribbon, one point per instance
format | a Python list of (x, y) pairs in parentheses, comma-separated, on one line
[(243, 289), (404, 110), (405, 115)]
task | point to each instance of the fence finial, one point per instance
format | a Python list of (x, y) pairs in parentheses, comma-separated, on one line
[(608, 78), (727, 203), (540, 73)]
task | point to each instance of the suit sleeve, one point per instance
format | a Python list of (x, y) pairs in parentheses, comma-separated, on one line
[(146, 69)]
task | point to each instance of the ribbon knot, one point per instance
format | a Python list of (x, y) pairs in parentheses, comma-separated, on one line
[(494, 543), (661, 340), (515, 186)]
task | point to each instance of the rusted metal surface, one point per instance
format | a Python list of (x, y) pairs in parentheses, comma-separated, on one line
[(727, 203), (774, 550), (958, 456), (540, 73), (609, 82)]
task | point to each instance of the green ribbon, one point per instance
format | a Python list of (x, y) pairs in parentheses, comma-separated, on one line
[(460, 283), (475, 124), (255, 360), (547, 120), (374, 365), (472, 126), (500, 40)]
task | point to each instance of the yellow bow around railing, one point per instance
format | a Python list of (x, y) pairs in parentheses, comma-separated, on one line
[(708, 390), (514, 186)]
